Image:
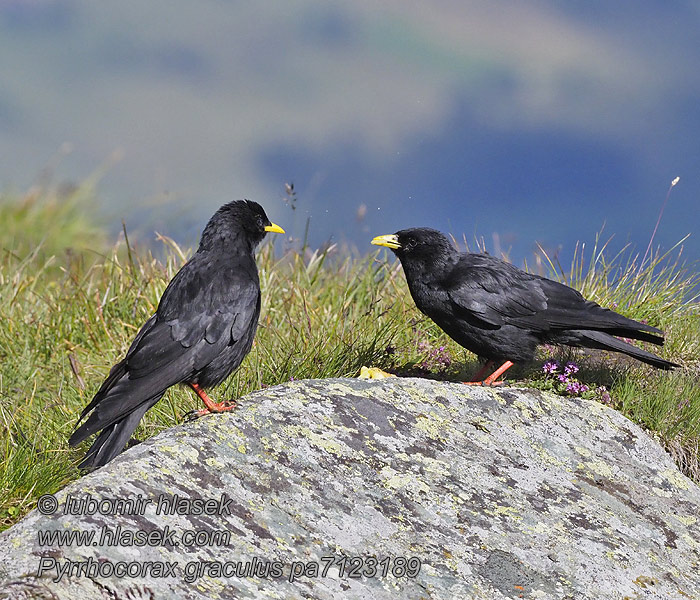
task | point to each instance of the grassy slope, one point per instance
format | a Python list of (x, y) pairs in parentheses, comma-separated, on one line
[(66, 317)]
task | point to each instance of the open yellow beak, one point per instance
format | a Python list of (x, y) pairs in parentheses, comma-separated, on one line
[(390, 241), (272, 228)]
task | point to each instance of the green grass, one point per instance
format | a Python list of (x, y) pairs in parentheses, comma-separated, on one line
[(50, 222), (67, 316)]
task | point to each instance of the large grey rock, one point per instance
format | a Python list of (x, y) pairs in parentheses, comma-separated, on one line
[(499, 493)]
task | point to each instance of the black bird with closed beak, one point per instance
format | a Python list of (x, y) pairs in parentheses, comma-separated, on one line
[(502, 313), (203, 328)]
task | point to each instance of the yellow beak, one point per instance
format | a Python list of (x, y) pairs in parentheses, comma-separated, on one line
[(390, 241), (272, 228)]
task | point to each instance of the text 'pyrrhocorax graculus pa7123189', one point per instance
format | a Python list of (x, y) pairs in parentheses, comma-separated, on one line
[(502, 313), (203, 328)]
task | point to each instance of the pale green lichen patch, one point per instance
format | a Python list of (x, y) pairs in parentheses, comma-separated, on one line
[(432, 424), (402, 481), (676, 478), (327, 442), (500, 511), (597, 467)]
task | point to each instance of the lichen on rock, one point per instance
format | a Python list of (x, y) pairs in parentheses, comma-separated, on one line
[(398, 488)]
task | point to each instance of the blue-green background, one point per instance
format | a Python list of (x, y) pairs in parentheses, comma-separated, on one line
[(518, 122)]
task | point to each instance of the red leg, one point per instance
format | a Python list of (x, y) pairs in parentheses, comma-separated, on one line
[(212, 407), (491, 379), (479, 376)]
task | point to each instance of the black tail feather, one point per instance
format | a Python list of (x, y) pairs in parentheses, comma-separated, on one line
[(635, 334), (112, 439), (116, 409), (115, 374), (604, 341)]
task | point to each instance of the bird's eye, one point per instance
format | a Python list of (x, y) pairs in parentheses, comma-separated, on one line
[(261, 225), (410, 244)]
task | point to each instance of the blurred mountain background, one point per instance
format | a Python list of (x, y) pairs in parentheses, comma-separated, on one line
[(508, 121)]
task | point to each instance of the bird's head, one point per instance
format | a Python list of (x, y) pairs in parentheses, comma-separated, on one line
[(420, 245), (238, 219)]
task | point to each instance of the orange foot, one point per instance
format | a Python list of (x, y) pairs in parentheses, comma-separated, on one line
[(491, 379), (211, 406)]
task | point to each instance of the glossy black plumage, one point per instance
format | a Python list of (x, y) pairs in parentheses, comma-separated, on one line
[(502, 313), (203, 328)]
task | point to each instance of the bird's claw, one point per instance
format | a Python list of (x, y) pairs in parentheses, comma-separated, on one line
[(193, 415), (225, 406)]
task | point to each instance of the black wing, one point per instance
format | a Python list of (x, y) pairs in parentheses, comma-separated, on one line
[(497, 293), (492, 292), (206, 307)]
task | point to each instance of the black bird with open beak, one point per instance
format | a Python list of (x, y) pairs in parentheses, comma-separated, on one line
[(203, 328), (502, 313)]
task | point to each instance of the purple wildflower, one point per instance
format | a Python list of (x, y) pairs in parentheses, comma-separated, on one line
[(604, 395), (574, 387), (563, 378), (570, 368), (436, 357), (445, 359), (550, 367)]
